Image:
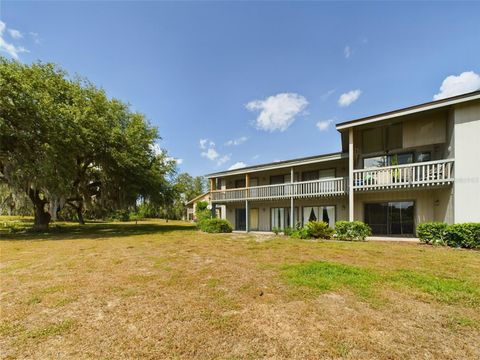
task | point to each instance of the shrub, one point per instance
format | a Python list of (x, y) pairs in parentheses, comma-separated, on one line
[(276, 230), (465, 235), (354, 230), (215, 225), (318, 229), (432, 232), (202, 212), (288, 231), (301, 233), (120, 215)]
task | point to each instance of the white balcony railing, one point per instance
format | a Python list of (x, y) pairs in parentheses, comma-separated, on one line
[(430, 173), (303, 189)]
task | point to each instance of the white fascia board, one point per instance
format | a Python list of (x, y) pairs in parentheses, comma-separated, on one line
[(405, 112), (282, 165)]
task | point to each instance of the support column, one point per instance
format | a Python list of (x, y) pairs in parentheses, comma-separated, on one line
[(247, 216), (211, 184), (212, 205), (350, 175), (292, 212), (247, 210)]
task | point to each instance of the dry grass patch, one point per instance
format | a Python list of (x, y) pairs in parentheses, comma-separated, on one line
[(157, 290)]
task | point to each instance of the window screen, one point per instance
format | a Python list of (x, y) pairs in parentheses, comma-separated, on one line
[(394, 137), (309, 175), (277, 179), (372, 140)]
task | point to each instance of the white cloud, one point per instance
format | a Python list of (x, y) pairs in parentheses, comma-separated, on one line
[(327, 94), (324, 124), (347, 52), (452, 85), (223, 159), (177, 160), (348, 98), (35, 37), (15, 34), (204, 143), (237, 165), (7, 47), (278, 112), (238, 141), (211, 154), (254, 157)]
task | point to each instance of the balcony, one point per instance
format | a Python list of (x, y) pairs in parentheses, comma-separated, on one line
[(303, 189), (430, 173)]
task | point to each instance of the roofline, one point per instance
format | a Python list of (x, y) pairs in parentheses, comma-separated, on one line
[(281, 164), (410, 110), (198, 197)]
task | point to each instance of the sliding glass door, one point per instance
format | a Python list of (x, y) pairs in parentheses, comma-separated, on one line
[(240, 219), (391, 218)]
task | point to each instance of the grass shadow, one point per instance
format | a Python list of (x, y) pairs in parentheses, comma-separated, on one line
[(97, 230)]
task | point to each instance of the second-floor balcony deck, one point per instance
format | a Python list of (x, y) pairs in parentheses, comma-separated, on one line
[(430, 173), (303, 189)]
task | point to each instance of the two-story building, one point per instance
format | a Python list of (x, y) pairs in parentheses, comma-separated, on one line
[(395, 170)]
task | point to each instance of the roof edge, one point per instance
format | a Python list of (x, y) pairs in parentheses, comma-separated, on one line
[(198, 197), (279, 164), (410, 110)]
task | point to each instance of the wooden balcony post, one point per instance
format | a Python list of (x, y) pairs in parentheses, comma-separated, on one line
[(291, 199), (211, 184), (247, 210), (350, 175)]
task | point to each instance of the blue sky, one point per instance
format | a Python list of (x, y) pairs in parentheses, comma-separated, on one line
[(256, 81)]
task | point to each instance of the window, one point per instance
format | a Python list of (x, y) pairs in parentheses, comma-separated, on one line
[(374, 162), (382, 138), (310, 175), (277, 179), (400, 159), (394, 137), (424, 156), (240, 183), (280, 217), (372, 140), (387, 160), (327, 174), (319, 213)]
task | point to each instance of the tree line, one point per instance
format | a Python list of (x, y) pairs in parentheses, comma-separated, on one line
[(66, 147)]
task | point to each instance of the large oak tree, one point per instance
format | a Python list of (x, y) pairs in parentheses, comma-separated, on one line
[(64, 142)]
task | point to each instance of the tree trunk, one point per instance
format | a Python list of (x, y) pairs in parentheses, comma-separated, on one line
[(42, 217), (54, 209), (79, 209)]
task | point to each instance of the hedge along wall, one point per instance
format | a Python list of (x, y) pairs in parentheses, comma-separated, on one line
[(466, 235)]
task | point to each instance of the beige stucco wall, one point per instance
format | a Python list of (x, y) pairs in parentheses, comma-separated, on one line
[(467, 163)]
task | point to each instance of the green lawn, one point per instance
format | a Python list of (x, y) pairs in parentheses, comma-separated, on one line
[(163, 290)]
